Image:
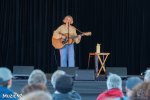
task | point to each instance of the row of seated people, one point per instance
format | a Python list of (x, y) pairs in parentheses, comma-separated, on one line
[(136, 88), (36, 89)]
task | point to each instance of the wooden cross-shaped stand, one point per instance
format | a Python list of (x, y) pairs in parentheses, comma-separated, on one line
[(101, 60)]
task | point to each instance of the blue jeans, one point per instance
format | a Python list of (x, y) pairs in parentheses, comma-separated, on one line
[(67, 55)]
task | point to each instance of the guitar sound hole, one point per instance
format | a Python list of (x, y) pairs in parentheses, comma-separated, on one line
[(64, 41)]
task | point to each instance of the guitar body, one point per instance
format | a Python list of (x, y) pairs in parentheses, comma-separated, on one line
[(57, 43), (60, 43)]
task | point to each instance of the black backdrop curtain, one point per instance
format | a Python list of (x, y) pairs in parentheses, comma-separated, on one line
[(121, 26)]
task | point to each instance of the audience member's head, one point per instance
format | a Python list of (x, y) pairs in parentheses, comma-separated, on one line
[(37, 77), (141, 92), (64, 84), (37, 95), (114, 88), (147, 76), (5, 77), (131, 83), (114, 81), (55, 76), (35, 87)]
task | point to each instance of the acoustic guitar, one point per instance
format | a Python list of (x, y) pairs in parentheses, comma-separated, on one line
[(60, 43)]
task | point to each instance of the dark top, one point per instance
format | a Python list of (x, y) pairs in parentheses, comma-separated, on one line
[(73, 95)]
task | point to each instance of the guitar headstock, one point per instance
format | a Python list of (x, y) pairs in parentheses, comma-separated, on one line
[(87, 33)]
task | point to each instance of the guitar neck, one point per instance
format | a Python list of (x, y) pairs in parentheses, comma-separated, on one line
[(73, 37)]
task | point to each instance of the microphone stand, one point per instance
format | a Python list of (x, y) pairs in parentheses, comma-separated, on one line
[(68, 33), (68, 42)]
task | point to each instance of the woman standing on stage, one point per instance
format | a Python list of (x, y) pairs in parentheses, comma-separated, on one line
[(67, 52)]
